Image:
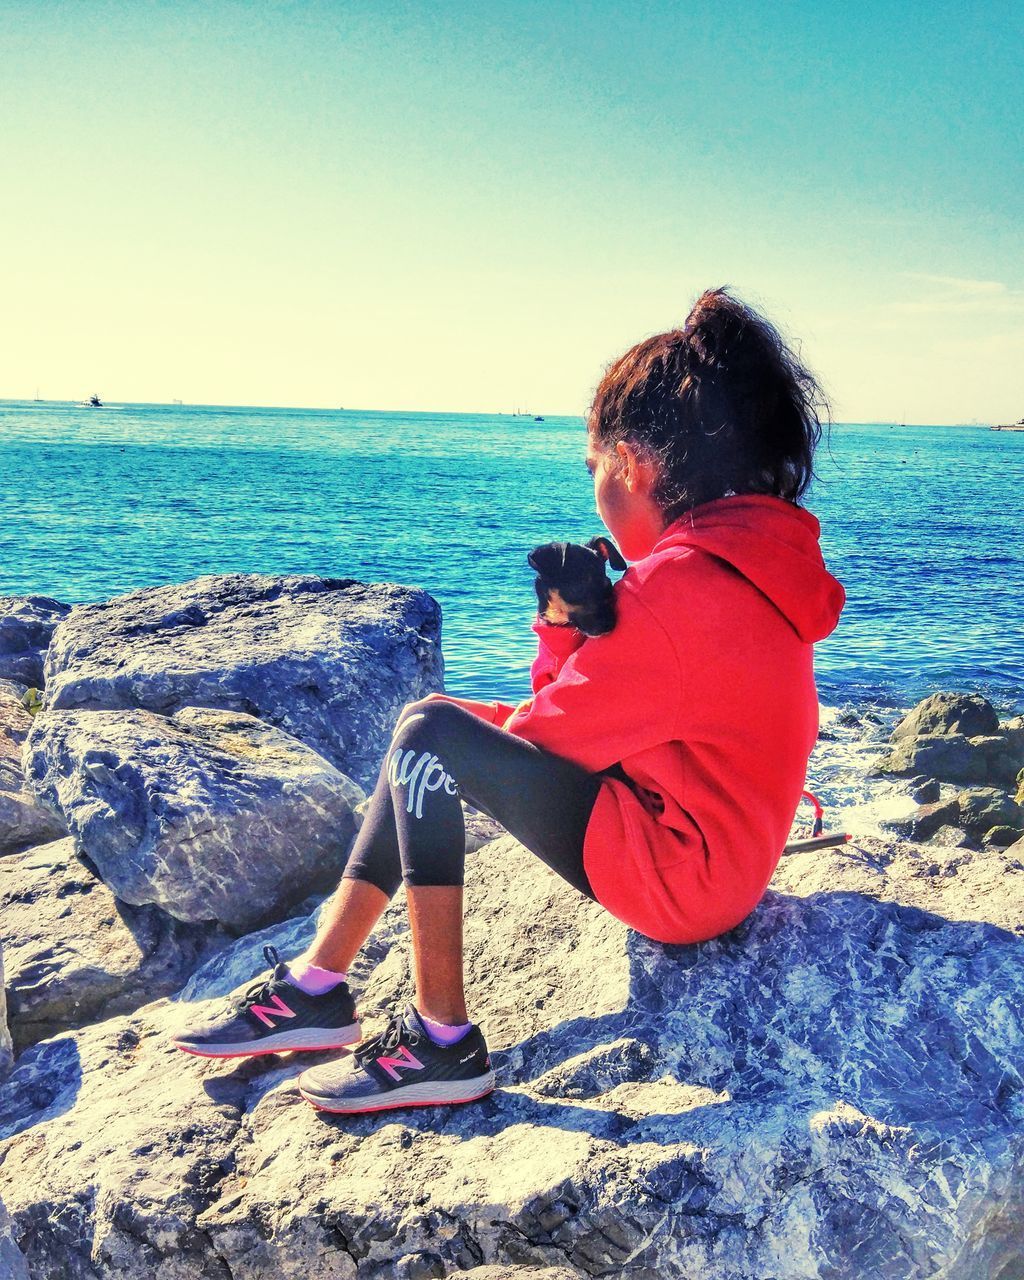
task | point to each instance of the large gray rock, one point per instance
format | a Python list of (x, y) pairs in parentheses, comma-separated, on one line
[(832, 1090), (26, 626), (208, 814), (330, 660), (75, 954), (23, 820), (968, 714)]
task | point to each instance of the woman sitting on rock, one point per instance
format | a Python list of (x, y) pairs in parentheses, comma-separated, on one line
[(657, 768)]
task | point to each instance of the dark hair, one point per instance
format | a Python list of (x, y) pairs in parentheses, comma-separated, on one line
[(720, 405)]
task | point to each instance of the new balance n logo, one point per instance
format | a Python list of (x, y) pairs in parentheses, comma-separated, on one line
[(406, 1059), (276, 1009)]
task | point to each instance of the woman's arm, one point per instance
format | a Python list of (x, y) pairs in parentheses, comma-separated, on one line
[(554, 645), (614, 696)]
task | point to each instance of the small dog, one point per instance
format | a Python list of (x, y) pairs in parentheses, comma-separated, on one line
[(572, 584)]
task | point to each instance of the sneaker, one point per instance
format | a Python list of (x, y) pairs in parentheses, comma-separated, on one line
[(275, 1016), (402, 1067)]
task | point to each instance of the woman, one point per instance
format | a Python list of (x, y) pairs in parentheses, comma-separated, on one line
[(657, 768)]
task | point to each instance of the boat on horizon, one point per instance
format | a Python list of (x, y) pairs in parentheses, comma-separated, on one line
[(1009, 426)]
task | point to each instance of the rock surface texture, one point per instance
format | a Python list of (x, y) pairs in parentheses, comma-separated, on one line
[(208, 814), (329, 660), (831, 1091), (74, 954), (6, 1047), (12, 1261), (23, 820), (26, 627)]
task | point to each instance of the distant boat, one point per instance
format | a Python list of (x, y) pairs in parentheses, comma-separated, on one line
[(536, 419), (95, 402), (1010, 426)]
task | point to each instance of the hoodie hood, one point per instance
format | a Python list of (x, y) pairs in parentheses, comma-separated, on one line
[(774, 544)]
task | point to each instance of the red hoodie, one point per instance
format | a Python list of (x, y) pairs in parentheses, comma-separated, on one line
[(704, 693)]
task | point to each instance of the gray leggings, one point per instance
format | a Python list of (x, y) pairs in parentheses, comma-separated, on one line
[(414, 829)]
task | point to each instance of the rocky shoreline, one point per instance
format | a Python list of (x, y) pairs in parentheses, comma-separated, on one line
[(833, 1089)]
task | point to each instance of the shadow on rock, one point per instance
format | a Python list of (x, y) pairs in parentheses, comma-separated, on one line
[(44, 1084)]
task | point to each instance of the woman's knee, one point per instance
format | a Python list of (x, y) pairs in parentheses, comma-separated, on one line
[(425, 716)]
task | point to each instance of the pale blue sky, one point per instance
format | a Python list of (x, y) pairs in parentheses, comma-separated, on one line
[(476, 206)]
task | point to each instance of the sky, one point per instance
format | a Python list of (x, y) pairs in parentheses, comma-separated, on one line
[(477, 206)]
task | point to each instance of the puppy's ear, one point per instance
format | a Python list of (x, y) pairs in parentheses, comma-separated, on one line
[(606, 548)]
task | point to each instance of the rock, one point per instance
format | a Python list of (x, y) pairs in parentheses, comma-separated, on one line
[(1002, 836), (208, 814), (26, 627), (975, 811), (6, 1045), (952, 837), (952, 881), (519, 1273), (331, 661), (925, 820), (481, 828), (985, 761), (841, 1067), (23, 820), (924, 790), (12, 1261), (75, 954), (982, 808), (967, 714)]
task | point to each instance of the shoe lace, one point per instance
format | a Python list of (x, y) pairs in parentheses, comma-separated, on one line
[(260, 989), (386, 1039)]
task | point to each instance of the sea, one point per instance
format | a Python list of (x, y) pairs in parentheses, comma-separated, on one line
[(922, 525)]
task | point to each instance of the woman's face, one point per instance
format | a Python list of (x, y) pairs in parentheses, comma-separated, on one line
[(622, 486)]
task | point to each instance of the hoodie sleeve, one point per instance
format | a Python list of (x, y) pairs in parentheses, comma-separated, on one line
[(489, 711), (613, 695), (554, 644)]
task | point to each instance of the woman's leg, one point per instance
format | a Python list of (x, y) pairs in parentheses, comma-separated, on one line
[(359, 901), (414, 831)]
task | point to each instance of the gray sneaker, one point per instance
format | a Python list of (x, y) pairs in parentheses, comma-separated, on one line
[(402, 1067), (274, 1016)]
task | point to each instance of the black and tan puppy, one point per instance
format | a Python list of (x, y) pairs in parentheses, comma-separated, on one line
[(572, 583)]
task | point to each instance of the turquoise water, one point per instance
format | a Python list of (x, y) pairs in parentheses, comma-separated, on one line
[(921, 524)]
